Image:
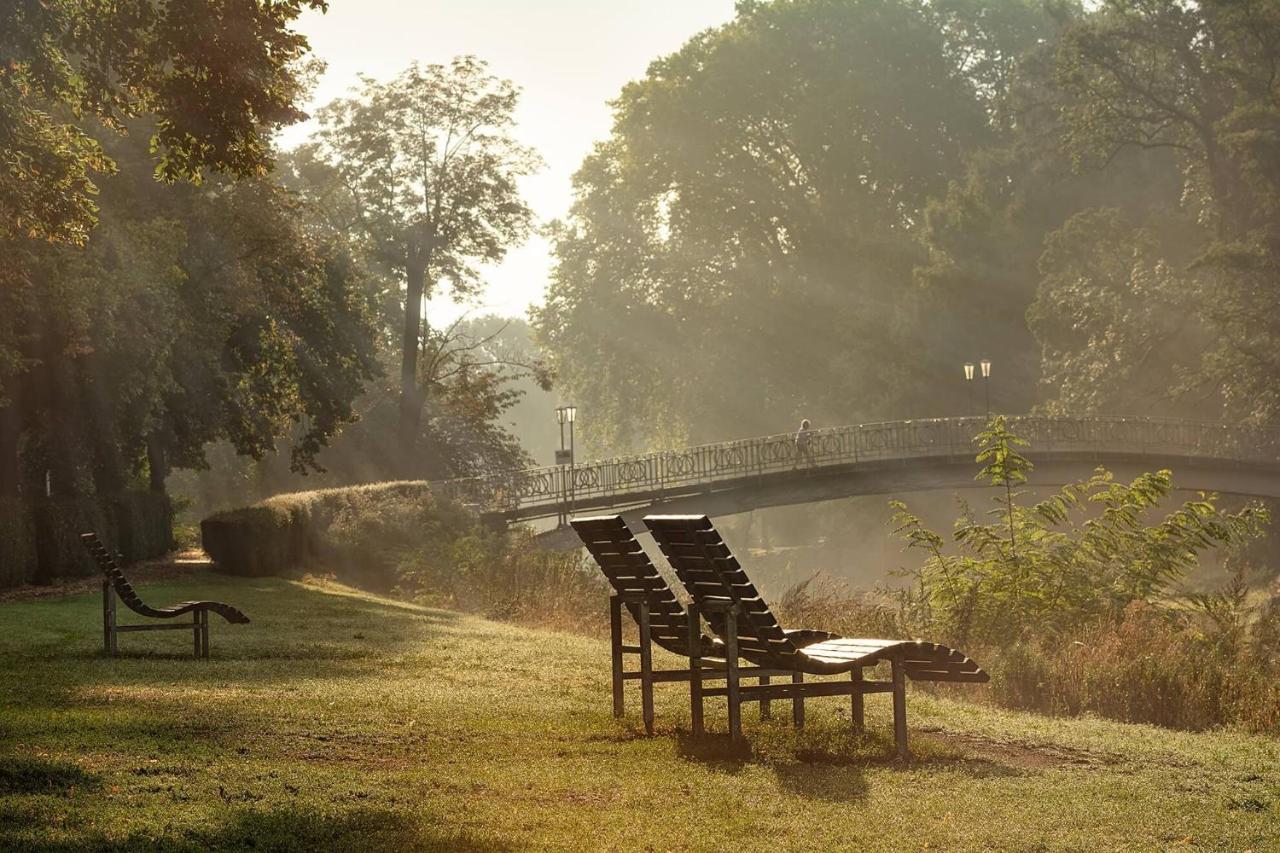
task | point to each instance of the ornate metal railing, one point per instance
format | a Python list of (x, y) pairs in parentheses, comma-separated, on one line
[(711, 465)]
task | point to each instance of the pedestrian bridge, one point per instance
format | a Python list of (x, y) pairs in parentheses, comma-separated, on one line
[(876, 459)]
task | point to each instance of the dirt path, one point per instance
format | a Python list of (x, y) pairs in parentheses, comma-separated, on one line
[(177, 565)]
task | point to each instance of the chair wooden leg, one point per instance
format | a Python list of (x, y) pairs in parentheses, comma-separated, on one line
[(764, 703), (695, 671), (204, 633), (615, 639), (646, 668), (797, 703), (900, 709), (858, 709), (108, 619), (195, 630), (731, 675)]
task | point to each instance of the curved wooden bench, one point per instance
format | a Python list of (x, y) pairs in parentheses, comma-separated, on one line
[(737, 613), (116, 585)]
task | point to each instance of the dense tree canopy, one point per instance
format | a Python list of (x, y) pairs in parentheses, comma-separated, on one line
[(742, 248), (197, 310), (191, 314), (1197, 82), (825, 207), (216, 75)]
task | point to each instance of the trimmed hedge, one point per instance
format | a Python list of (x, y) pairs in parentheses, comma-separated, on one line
[(40, 540), (284, 533), (17, 543), (59, 524), (144, 524)]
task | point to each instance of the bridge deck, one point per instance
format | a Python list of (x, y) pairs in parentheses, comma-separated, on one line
[(774, 461)]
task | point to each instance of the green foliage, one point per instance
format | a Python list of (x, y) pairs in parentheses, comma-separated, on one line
[(144, 524), (766, 183), (193, 314), (214, 100), (422, 172), (59, 524), (253, 541), (1049, 568), (43, 537), (1193, 83)]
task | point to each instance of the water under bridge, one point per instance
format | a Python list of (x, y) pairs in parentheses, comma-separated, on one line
[(876, 459)]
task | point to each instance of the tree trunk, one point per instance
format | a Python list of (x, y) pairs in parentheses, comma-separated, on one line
[(102, 435), (65, 444), (410, 395), (10, 435), (157, 464)]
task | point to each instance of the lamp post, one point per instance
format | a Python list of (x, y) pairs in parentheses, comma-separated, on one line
[(566, 415), (968, 384), (986, 383), (571, 414)]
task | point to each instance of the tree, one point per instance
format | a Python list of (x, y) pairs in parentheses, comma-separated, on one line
[(429, 170), (216, 75), (1197, 81), (754, 219), (191, 314)]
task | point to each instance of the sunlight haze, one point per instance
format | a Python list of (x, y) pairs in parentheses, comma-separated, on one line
[(570, 57)]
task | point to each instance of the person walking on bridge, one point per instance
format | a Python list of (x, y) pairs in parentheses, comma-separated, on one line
[(804, 449)]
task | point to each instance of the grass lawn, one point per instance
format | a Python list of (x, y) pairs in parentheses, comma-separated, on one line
[(342, 720)]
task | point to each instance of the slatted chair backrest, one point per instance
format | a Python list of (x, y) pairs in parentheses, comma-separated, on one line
[(708, 570), (119, 582), (632, 574)]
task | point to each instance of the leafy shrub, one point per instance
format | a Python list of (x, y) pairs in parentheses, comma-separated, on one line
[(389, 538), (254, 541), (1050, 568), (1072, 602)]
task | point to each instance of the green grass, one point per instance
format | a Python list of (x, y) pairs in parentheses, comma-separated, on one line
[(339, 720)]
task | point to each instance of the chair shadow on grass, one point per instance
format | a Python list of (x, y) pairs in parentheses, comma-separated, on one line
[(282, 829), (805, 772), (827, 761)]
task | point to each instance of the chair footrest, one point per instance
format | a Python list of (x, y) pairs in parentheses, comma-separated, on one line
[(661, 675), (161, 626)]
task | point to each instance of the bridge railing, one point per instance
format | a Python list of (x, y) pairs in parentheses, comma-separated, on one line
[(655, 474)]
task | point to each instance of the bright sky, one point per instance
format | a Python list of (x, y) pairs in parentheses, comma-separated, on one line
[(569, 56)]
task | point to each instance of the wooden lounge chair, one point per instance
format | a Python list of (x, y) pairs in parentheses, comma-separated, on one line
[(724, 594), (116, 584), (661, 617)]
